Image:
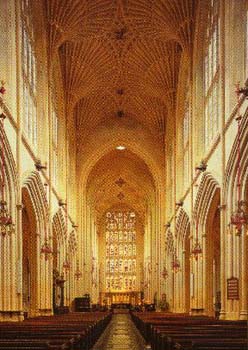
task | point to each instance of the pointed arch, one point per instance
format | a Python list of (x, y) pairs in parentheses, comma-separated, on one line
[(183, 276), (231, 176), (59, 240), (35, 232), (238, 241), (208, 189), (34, 189), (169, 241), (9, 304), (206, 230), (59, 226), (182, 224), (7, 163), (72, 243)]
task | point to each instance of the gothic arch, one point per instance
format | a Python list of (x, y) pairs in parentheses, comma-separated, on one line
[(205, 196), (59, 225), (183, 277), (59, 240), (10, 175), (237, 242), (8, 300), (34, 189), (231, 177), (35, 232), (182, 224), (108, 145), (206, 228)]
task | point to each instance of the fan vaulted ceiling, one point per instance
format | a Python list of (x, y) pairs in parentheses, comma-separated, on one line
[(120, 61)]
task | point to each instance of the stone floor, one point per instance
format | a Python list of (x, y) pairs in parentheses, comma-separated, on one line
[(121, 334)]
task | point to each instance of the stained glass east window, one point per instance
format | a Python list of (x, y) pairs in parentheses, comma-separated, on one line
[(120, 238)]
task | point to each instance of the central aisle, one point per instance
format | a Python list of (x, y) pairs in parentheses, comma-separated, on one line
[(121, 334)]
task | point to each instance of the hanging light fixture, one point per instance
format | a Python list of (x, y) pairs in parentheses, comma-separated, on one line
[(197, 249), (239, 218), (175, 264), (66, 265), (164, 273), (6, 223), (78, 273)]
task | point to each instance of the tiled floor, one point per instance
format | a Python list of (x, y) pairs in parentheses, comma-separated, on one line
[(121, 334)]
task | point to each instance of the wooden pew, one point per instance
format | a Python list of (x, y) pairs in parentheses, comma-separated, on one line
[(61, 332), (167, 332)]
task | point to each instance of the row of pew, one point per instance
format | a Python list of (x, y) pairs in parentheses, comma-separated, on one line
[(167, 331), (61, 332)]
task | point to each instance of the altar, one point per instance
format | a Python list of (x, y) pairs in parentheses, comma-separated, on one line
[(109, 298)]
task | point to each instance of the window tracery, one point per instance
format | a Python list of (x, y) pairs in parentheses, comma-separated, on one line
[(120, 239), (211, 74), (29, 76)]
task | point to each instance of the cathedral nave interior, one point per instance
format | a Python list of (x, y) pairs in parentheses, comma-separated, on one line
[(123, 155)]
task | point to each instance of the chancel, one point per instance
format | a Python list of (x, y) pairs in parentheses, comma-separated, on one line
[(123, 174)]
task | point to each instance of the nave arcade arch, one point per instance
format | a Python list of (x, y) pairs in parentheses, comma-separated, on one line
[(206, 270), (35, 235), (236, 244)]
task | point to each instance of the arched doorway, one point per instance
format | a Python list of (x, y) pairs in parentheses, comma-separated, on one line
[(29, 257)]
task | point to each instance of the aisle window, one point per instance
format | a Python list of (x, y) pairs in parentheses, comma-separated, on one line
[(29, 76), (120, 251), (211, 74)]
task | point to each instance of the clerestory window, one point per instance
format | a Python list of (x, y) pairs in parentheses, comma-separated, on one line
[(211, 74)]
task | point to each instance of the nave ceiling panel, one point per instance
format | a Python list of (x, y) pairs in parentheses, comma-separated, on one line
[(120, 177), (120, 55), (163, 19)]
